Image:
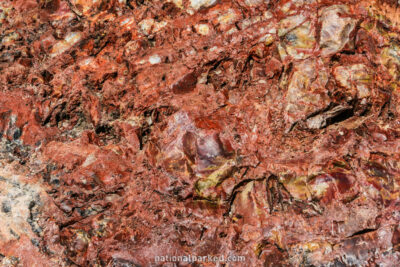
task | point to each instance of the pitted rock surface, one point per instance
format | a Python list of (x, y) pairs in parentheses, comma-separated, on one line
[(256, 128)]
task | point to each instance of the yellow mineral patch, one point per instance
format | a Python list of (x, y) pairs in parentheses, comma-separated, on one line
[(202, 29), (227, 18), (178, 3), (216, 177), (288, 24), (298, 188)]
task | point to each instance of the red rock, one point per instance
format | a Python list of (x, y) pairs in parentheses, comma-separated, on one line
[(134, 130)]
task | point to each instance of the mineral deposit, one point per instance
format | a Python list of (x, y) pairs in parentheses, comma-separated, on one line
[(134, 129)]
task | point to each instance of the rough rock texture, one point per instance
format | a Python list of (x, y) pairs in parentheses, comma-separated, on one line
[(257, 128)]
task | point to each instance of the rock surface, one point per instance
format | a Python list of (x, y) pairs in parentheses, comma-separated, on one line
[(131, 130)]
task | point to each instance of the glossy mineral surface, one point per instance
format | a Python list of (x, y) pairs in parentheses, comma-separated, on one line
[(256, 128)]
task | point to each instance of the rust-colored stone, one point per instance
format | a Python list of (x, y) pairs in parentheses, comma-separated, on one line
[(134, 130)]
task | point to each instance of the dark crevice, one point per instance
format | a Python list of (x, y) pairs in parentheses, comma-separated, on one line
[(33, 218), (236, 191), (330, 115), (342, 116), (47, 76), (129, 4), (385, 108), (277, 194), (143, 136), (288, 130), (364, 231), (152, 116), (103, 129), (74, 10)]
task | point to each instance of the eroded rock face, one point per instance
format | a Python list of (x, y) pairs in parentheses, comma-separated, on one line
[(356, 78), (191, 151), (336, 27), (19, 205), (131, 130), (306, 91)]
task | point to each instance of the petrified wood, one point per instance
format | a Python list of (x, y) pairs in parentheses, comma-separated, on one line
[(257, 128)]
